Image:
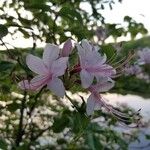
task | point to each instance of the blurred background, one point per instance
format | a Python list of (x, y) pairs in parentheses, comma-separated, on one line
[(43, 121)]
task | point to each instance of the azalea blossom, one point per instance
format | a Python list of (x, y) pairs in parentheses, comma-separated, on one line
[(144, 56), (92, 64), (95, 100), (47, 69), (132, 70)]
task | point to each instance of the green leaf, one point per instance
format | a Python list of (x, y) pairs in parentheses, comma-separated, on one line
[(3, 31), (79, 122), (6, 65), (90, 142), (60, 123), (24, 32), (70, 13), (13, 106), (5, 89), (3, 144), (109, 50), (93, 142), (38, 6)]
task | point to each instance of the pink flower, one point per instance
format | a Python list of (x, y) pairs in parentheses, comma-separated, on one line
[(95, 100), (144, 56), (92, 64), (48, 69), (132, 70), (67, 48)]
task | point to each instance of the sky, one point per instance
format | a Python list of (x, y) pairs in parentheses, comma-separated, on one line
[(139, 10)]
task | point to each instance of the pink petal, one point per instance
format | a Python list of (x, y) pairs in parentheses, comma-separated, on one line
[(85, 44), (86, 78), (102, 79), (93, 58), (103, 87), (67, 48), (91, 104), (57, 87), (81, 51), (59, 66), (24, 85), (101, 70), (36, 64), (39, 81), (51, 53), (35, 84)]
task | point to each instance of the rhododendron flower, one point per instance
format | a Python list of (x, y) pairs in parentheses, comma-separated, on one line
[(92, 64), (132, 70), (95, 100), (48, 69), (144, 56), (67, 48)]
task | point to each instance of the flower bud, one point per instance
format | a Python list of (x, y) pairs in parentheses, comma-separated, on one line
[(67, 48)]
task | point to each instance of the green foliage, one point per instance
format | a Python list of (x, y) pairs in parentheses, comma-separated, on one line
[(5, 66), (134, 28), (3, 31), (134, 45), (132, 85), (70, 13), (60, 123), (109, 50), (3, 144)]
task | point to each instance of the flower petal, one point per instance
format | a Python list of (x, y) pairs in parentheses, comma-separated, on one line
[(35, 84), (81, 51), (102, 70), (93, 58), (86, 78), (67, 48), (51, 53), (102, 79), (57, 87), (39, 81), (36, 64), (59, 66), (105, 86), (91, 103), (85, 44), (24, 85)]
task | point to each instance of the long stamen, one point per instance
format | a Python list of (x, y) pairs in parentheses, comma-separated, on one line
[(112, 58), (130, 56), (118, 62), (122, 117)]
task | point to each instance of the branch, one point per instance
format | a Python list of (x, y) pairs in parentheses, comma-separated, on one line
[(74, 105), (34, 138), (35, 101), (20, 131)]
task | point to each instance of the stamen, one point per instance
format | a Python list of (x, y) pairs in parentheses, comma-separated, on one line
[(130, 56), (120, 116), (111, 59)]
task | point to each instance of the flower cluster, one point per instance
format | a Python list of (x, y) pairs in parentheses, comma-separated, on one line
[(144, 56), (142, 60), (94, 71)]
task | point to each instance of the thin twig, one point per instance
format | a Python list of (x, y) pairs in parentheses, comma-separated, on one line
[(74, 105), (20, 131)]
